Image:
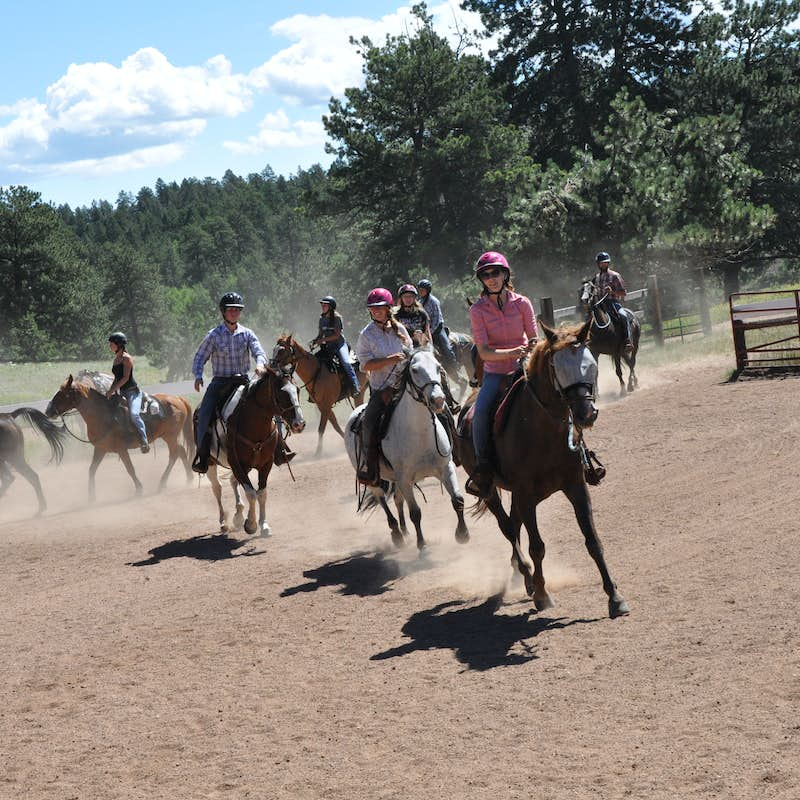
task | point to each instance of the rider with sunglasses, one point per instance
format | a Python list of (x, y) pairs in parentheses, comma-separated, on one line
[(504, 329)]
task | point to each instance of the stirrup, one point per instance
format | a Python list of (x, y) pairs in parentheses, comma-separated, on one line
[(593, 474)]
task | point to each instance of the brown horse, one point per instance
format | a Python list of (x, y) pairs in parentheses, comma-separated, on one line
[(249, 443), (12, 449), (324, 387), (109, 434), (537, 454)]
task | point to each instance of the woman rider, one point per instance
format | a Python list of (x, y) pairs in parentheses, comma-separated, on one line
[(504, 330), (411, 314), (330, 338), (380, 352), (124, 383)]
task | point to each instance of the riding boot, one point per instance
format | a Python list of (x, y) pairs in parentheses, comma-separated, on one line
[(200, 463), (368, 473), (451, 401), (481, 480), (283, 453)]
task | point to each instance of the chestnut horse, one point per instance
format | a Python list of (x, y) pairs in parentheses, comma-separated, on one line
[(12, 449), (324, 387), (536, 454), (249, 443), (108, 434)]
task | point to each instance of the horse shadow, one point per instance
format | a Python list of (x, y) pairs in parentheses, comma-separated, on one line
[(479, 637), (203, 548), (363, 574)]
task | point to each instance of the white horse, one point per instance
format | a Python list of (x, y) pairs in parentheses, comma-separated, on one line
[(416, 446)]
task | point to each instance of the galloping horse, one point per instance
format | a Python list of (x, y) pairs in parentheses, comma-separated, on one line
[(324, 387), (12, 449), (607, 337), (108, 434), (415, 446), (537, 454), (250, 444)]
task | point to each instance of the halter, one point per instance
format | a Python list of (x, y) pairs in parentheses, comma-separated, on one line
[(417, 393), (75, 436)]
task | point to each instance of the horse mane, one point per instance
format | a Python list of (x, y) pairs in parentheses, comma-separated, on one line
[(552, 342)]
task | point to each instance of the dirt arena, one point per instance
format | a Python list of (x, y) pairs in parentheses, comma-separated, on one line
[(144, 656)]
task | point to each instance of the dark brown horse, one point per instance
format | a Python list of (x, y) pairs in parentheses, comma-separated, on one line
[(607, 335), (249, 444), (12, 448), (108, 431), (324, 387), (538, 453)]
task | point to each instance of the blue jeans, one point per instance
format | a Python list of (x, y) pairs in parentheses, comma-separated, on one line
[(134, 398), (622, 317), (208, 405), (442, 343), (482, 419), (344, 359)]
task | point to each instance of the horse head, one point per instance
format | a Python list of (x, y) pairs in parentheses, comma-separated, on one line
[(573, 370), (285, 354), (275, 388), (424, 378), (65, 399)]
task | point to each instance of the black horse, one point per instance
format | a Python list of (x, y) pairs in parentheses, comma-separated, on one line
[(607, 334)]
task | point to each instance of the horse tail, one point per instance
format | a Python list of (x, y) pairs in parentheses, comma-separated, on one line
[(55, 434), (188, 430)]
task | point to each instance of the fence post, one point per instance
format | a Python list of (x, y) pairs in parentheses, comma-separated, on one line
[(739, 345), (702, 299), (654, 303), (546, 311)]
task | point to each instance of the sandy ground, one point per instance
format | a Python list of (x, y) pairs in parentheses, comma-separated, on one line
[(146, 656)]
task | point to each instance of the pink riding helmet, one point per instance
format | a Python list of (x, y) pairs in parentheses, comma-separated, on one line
[(491, 259), (379, 297), (408, 288)]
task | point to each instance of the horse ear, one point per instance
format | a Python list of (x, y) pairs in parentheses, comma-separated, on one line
[(583, 333), (549, 333), (69, 381), (469, 301)]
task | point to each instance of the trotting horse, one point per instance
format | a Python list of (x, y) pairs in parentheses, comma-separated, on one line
[(538, 454), (249, 443), (607, 336), (324, 387), (415, 446), (107, 433), (12, 449)]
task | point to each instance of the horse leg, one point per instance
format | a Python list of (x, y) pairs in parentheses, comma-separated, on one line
[(633, 381), (174, 448), (450, 482), (578, 495), (97, 457), (335, 422), (22, 466), (401, 513), (397, 534), (6, 478), (323, 421), (406, 489), (536, 548), (238, 517), (124, 456), (216, 489), (261, 494), (252, 496), (510, 528), (618, 370)]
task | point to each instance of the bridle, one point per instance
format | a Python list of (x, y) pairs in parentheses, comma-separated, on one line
[(416, 391)]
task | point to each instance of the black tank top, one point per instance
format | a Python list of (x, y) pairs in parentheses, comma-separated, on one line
[(117, 370)]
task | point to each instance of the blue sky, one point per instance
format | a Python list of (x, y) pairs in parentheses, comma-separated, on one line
[(98, 98)]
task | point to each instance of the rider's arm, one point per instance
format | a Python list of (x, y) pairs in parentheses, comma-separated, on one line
[(258, 353), (529, 321)]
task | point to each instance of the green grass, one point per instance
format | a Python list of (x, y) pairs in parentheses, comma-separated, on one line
[(23, 383)]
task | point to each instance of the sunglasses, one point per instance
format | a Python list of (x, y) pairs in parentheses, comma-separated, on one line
[(491, 273)]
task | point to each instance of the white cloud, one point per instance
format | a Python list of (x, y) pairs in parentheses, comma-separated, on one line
[(277, 131)]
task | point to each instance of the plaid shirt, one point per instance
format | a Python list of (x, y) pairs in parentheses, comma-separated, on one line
[(611, 280), (433, 308), (229, 352)]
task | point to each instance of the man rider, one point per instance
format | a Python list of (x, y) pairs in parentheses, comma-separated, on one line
[(610, 283)]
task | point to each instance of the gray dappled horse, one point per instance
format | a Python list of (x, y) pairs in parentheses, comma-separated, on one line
[(607, 335), (415, 446), (538, 453), (12, 448)]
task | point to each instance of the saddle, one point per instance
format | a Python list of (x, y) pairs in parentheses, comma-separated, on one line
[(329, 359), (151, 413)]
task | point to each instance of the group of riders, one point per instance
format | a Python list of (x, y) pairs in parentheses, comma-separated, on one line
[(504, 330)]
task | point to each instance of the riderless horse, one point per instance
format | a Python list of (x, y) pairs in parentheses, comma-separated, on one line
[(109, 430), (537, 443), (607, 335), (325, 388), (12, 449), (415, 446), (246, 441)]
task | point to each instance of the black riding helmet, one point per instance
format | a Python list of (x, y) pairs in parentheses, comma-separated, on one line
[(331, 301), (603, 256), (118, 338), (425, 284), (231, 300)]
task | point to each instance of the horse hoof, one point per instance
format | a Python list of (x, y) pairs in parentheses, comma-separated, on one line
[(224, 529), (266, 532), (397, 538), (543, 603), (462, 536), (618, 608), (250, 529)]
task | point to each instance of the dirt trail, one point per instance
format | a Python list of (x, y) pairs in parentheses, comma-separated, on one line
[(145, 657)]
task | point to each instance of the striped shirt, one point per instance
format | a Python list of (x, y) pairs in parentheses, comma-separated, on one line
[(502, 329), (229, 352)]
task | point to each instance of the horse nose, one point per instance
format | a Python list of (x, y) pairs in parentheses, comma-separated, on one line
[(299, 427), (438, 403)]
